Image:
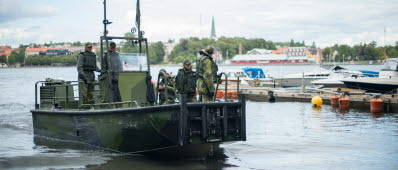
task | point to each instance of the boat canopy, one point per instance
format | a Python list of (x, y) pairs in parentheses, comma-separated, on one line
[(333, 67), (390, 65), (254, 72)]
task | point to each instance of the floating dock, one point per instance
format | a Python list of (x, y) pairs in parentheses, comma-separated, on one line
[(358, 99)]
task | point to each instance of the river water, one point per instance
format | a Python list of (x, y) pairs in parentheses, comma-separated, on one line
[(286, 135)]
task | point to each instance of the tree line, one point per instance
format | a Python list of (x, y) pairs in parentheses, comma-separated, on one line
[(51, 60), (359, 52), (187, 48)]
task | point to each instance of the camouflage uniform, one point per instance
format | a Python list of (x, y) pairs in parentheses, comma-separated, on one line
[(86, 65), (186, 82), (170, 91), (207, 75)]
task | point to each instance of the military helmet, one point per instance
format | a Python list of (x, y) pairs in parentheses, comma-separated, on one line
[(162, 72), (209, 50), (187, 61), (112, 45), (89, 44)]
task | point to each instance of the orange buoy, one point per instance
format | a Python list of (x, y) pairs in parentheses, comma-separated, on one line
[(229, 95), (376, 105), (234, 94), (219, 94), (334, 100), (344, 103)]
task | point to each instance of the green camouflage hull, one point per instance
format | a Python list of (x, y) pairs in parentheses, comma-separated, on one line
[(188, 129)]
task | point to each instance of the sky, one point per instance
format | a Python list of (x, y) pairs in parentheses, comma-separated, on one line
[(325, 22)]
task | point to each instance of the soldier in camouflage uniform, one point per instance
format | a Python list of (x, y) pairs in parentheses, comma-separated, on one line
[(206, 70), (170, 88), (186, 81), (86, 65)]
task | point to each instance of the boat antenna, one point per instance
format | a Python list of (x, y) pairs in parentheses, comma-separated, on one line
[(385, 53), (138, 19), (105, 22)]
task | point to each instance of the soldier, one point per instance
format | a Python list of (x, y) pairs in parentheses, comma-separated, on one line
[(170, 89), (113, 66), (114, 58), (86, 65), (186, 81), (206, 70)]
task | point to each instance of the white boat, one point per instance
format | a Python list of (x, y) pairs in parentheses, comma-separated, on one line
[(248, 76), (299, 79), (333, 80), (387, 82)]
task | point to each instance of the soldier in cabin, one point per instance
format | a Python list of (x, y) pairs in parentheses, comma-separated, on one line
[(113, 66)]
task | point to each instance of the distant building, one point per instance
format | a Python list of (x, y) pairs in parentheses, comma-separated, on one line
[(297, 52), (269, 59), (36, 51), (168, 48), (77, 49), (5, 50), (217, 56), (283, 55), (283, 50), (56, 52), (315, 54), (259, 51)]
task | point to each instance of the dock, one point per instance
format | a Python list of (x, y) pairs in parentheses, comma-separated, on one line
[(358, 99)]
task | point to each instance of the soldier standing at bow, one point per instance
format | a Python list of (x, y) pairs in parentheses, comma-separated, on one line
[(86, 65)]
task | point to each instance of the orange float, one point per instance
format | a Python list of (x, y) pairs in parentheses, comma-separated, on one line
[(219, 94), (234, 94), (376, 105), (344, 103), (334, 100)]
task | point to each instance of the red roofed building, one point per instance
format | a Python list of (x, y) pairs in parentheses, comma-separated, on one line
[(36, 51), (5, 50)]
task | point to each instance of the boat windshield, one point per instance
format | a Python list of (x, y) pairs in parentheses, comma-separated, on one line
[(235, 74), (390, 65), (134, 61)]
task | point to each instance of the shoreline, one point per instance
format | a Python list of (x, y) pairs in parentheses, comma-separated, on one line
[(173, 65)]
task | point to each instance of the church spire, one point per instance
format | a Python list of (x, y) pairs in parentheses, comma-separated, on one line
[(213, 30)]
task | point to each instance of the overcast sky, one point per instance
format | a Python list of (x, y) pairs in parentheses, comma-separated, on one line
[(324, 21)]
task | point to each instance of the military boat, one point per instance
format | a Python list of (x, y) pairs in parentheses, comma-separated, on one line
[(136, 124)]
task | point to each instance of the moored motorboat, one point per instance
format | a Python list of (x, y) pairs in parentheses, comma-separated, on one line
[(386, 82)]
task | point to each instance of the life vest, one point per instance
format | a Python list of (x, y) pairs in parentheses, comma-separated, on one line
[(89, 61), (186, 82)]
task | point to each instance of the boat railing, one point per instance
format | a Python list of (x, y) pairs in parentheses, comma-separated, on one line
[(66, 84), (69, 98), (226, 86), (111, 105)]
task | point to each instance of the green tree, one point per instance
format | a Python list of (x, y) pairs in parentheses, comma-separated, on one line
[(3, 60), (12, 58), (313, 45), (156, 52), (291, 43)]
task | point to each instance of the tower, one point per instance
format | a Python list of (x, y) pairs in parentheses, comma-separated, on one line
[(213, 30)]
